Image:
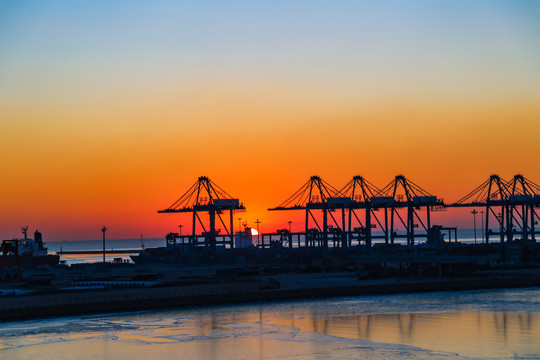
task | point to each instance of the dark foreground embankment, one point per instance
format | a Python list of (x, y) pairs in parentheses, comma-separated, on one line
[(120, 300)]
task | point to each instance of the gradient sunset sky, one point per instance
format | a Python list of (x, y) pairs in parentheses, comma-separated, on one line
[(110, 110)]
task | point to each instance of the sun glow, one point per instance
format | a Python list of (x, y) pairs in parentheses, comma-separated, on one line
[(115, 136), (254, 232)]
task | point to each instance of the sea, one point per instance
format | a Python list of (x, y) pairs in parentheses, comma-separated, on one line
[(463, 235), (486, 324), (97, 245)]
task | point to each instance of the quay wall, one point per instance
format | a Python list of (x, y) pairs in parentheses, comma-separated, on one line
[(121, 300)]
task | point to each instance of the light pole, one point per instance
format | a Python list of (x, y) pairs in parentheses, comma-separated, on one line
[(258, 234), (474, 212), (500, 220), (482, 214), (180, 235), (239, 224), (103, 229), (290, 222)]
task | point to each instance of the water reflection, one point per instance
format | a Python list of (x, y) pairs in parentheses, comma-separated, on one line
[(496, 324), (469, 333)]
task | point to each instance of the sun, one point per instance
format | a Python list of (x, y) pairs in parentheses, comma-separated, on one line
[(254, 232)]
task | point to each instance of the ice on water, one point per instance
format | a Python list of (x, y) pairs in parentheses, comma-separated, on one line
[(479, 324)]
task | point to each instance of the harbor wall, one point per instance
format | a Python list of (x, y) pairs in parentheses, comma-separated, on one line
[(54, 305)]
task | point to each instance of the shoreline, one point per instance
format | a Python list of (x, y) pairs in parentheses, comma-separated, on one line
[(37, 306)]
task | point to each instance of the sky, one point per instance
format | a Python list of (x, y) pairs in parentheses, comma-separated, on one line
[(110, 111)]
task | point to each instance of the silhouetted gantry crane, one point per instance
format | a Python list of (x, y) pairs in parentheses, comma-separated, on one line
[(359, 194), (523, 199), (316, 195), (205, 196), (349, 215), (509, 204), (359, 191), (402, 193)]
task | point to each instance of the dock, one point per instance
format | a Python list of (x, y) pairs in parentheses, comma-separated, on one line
[(275, 288)]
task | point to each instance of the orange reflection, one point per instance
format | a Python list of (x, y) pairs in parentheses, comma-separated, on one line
[(468, 333)]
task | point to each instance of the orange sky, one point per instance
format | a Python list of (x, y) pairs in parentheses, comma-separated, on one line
[(68, 184), (99, 132)]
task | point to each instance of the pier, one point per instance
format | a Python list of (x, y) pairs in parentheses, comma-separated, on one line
[(275, 288)]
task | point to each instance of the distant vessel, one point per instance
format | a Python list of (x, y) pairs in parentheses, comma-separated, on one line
[(243, 239), (28, 251)]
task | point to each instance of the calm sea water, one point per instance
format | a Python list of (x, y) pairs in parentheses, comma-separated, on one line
[(501, 324), (121, 244)]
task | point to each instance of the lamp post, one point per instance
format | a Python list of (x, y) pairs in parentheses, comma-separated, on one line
[(482, 218), (258, 234), (289, 222), (103, 229), (474, 212), (500, 220)]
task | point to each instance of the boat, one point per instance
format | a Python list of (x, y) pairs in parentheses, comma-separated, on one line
[(27, 251)]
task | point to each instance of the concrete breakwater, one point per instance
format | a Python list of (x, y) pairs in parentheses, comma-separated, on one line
[(292, 286)]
